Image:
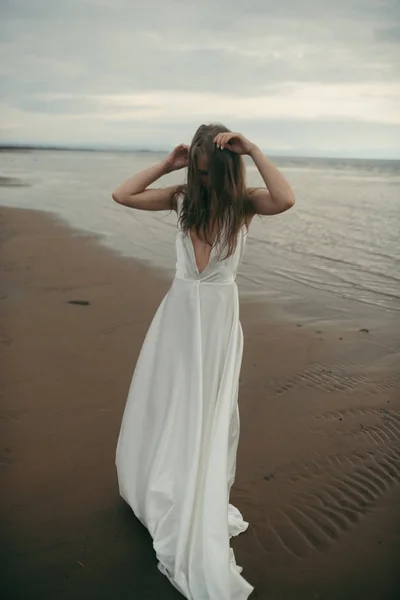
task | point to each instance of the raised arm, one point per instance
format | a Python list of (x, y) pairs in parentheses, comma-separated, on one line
[(135, 191), (277, 196)]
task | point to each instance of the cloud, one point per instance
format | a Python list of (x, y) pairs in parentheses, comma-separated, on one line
[(100, 62), (388, 34), (288, 101)]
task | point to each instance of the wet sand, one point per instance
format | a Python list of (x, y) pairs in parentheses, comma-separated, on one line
[(319, 456)]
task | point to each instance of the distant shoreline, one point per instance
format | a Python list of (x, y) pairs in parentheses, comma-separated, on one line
[(30, 148), (25, 148)]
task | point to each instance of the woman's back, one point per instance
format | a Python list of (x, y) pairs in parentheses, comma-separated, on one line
[(199, 261)]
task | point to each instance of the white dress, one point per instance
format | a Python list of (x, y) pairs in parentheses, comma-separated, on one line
[(176, 451)]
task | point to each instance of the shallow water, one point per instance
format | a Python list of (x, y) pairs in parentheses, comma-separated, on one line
[(339, 242)]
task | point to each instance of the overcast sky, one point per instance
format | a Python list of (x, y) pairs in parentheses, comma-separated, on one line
[(316, 77)]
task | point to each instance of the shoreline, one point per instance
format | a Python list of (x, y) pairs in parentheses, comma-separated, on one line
[(318, 309), (318, 464)]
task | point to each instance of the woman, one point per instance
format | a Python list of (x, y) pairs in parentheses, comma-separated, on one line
[(176, 452)]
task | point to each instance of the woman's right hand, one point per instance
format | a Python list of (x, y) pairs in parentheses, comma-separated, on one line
[(178, 158)]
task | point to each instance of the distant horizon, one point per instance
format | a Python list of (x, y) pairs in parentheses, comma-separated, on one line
[(160, 150)]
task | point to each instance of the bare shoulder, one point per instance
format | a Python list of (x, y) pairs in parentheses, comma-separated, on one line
[(250, 210), (260, 202), (179, 195)]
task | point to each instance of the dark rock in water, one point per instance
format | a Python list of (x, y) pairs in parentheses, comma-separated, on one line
[(364, 330), (268, 476), (80, 302)]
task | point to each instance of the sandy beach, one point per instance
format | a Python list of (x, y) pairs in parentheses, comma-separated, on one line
[(319, 456)]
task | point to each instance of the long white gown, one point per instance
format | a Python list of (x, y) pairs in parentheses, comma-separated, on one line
[(176, 451)]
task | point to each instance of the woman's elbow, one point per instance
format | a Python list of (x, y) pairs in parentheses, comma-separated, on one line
[(290, 200), (116, 197)]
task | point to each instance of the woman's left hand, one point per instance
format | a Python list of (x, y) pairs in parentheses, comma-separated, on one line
[(235, 142)]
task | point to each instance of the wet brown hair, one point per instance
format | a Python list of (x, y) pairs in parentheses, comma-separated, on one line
[(219, 209)]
